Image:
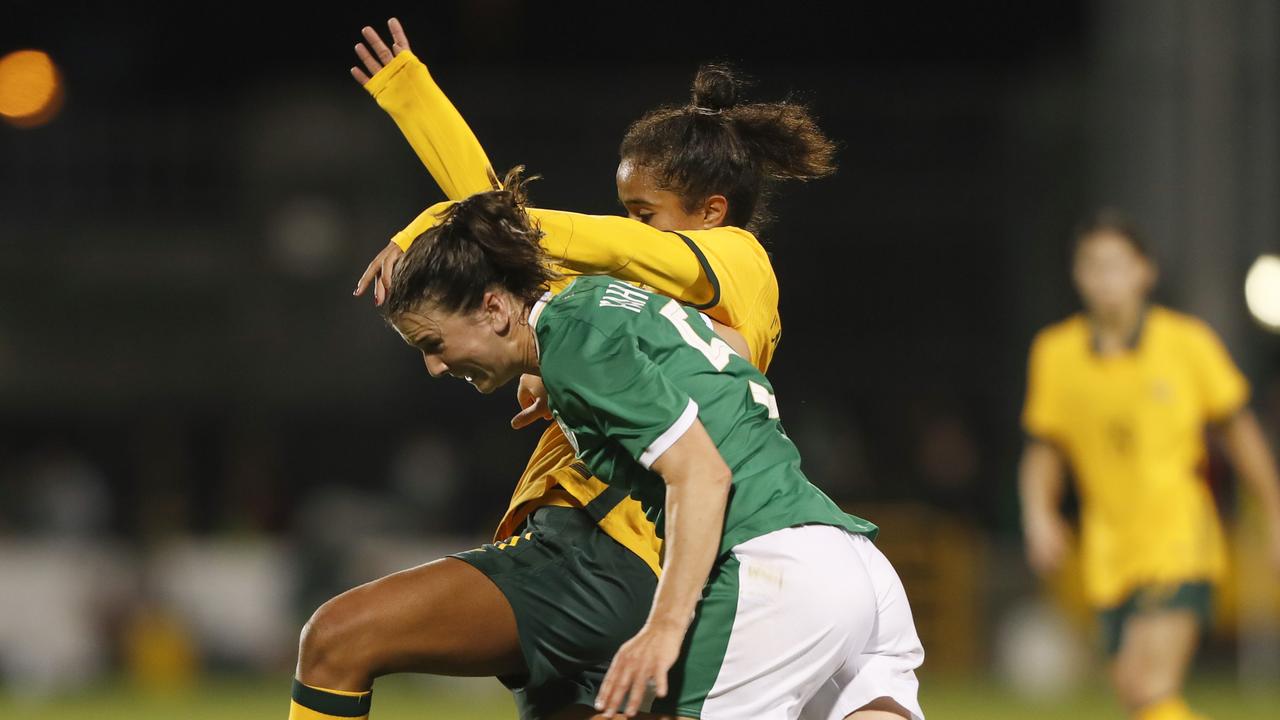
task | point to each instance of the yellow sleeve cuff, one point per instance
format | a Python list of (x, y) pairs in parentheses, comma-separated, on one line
[(398, 64), (435, 130), (428, 219)]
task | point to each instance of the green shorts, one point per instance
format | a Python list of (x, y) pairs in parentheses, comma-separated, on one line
[(1196, 596), (577, 595)]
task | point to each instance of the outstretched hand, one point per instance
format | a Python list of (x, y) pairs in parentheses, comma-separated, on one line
[(381, 54)]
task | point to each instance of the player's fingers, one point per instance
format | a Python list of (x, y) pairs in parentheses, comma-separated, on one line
[(369, 275), (612, 695), (359, 75), (522, 420), (524, 398), (378, 292), (398, 37), (389, 264), (639, 687), (531, 414), (380, 49), (370, 64), (660, 684)]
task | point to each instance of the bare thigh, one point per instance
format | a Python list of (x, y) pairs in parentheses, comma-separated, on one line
[(442, 618), (884, 708)]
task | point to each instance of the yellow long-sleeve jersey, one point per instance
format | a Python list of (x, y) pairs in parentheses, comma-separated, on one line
[(724, 272), (1132, 427)]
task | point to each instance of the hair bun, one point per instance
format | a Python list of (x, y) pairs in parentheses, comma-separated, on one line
[(715, 88)]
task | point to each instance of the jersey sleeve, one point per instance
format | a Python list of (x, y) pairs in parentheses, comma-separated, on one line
[(433, 127), (426, 220), (605, 386), (722, 271), (1222, 387), (1042, 412)]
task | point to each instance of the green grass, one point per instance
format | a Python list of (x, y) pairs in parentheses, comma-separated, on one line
[(437, 699), (953, 699)]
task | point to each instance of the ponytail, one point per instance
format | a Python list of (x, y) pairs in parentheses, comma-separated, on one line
[(717, 145), (483, 241)]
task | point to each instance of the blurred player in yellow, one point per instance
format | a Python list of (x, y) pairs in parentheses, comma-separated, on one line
[(573, 567), (1122, 393)]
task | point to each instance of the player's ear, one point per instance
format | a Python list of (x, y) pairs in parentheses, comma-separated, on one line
[(715, 210), (497, 308)]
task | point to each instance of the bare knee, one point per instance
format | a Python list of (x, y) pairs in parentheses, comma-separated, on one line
[(1127, 682), (332, 652), (1138, 685), (1154, 656)]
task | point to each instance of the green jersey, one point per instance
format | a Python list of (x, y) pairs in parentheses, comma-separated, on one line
[(627, 372)]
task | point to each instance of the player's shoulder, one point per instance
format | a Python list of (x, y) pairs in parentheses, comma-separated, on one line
[(1182, 334), (721, 234), (1178, 324), (1064, 336), (580, 307), (726, 241)]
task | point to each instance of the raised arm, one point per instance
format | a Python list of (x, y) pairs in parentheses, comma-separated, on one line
[(402, 86), (723, 271), (688, 266)]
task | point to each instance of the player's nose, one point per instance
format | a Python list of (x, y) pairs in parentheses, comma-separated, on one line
[(435, 366)]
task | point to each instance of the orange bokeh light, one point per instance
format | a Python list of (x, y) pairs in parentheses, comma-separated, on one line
[(30, 88)]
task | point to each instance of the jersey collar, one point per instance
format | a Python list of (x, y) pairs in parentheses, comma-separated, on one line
[(1134, 340), (534, 314)]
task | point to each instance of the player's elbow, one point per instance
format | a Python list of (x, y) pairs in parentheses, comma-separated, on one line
[(713, 479), (707, 478)]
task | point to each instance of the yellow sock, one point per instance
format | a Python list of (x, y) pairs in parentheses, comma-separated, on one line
[(1171, 708), (313, 703)]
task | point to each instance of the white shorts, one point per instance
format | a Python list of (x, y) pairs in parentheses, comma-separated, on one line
[(817, 625)]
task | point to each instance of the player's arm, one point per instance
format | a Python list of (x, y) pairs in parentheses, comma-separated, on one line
[(1224, 395), (697, 481), (403, 87), (692, 267), (1042, 470), (606, 389), (1246, 447), (674, 265), (1041, 475), (378, 273)]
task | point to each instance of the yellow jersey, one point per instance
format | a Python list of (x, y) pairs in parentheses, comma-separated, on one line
[(1131, 425), (724, 272)]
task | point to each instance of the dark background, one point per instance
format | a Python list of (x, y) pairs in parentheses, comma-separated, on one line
[(178, 246)]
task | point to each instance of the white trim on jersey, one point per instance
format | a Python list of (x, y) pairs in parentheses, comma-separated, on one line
[(534, 314), (670, 436), (536, 311)]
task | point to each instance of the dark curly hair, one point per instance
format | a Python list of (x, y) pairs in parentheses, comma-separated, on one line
[(717, 145)]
